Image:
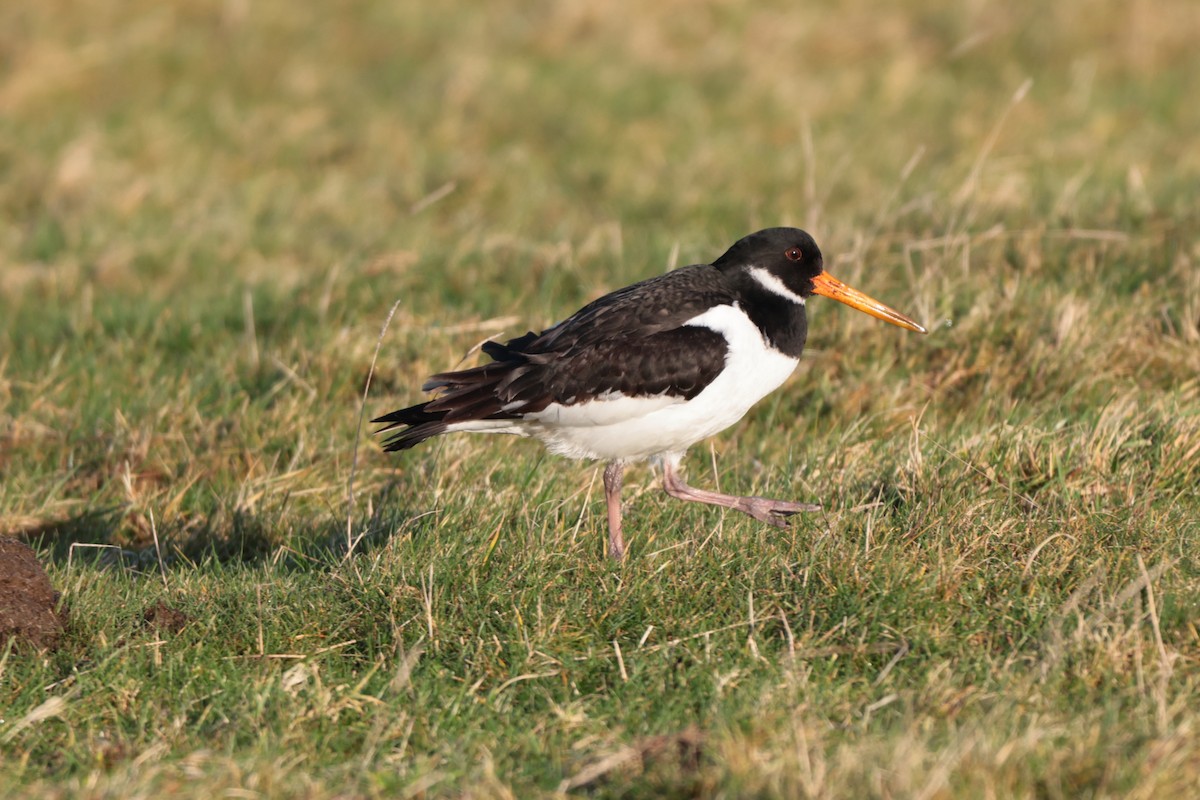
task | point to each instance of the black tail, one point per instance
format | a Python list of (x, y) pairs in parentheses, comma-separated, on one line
[(469, 394), (422, 425)]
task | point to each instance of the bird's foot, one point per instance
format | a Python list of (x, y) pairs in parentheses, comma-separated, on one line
[(772, 512), (616, 550), (763, 509)]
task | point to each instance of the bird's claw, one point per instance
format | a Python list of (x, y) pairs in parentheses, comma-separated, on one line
[(776, 512)]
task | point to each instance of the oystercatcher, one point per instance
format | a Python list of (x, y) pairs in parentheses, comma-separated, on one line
[(649, 370)]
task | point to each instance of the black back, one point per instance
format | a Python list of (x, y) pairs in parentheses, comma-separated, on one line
[(633, 341)]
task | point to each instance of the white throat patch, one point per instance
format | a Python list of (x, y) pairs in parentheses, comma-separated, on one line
[(773, 285)]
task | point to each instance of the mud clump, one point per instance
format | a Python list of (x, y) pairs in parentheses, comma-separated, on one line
[(28, 612), (164, 619)]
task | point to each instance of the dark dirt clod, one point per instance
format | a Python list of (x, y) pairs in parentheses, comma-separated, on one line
[(682, 751), (27, 600), (162, 617)]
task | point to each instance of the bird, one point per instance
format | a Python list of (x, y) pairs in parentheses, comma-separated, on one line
[(645, 372)]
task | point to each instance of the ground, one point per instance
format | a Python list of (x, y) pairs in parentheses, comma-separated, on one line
[(209, 209)]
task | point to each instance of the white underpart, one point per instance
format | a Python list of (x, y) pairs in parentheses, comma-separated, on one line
[(772, 284), (634, 428)]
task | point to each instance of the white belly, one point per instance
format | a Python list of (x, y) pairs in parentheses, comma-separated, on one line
[(633, 428)]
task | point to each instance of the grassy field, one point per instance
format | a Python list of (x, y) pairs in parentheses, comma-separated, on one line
[(207, 210)]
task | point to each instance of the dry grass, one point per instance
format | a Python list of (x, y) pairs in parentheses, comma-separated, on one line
[(208, 209)]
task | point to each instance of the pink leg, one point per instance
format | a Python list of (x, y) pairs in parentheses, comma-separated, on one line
[(612, 495), (764, 509)]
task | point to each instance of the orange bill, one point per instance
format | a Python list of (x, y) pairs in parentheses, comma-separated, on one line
[(826, 284)]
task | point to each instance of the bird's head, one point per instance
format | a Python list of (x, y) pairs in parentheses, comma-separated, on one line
[(787, 262)]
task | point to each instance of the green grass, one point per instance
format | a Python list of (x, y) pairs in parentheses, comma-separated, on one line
[(208, 209)]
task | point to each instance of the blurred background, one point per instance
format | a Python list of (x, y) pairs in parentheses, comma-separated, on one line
[(147, 144)]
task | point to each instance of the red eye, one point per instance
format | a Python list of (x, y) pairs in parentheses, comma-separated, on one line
[(794, 254)]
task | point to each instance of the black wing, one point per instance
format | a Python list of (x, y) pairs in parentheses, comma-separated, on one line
[(632, 341), (648, 307)]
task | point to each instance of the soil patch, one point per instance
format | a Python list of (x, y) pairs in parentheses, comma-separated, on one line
[(27, 600), (161, 617)]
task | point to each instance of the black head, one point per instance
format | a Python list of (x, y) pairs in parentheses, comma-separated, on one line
[(786, 264), (788, 254)]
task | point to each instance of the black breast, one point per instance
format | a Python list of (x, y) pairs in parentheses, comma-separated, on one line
[(782, 321)]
